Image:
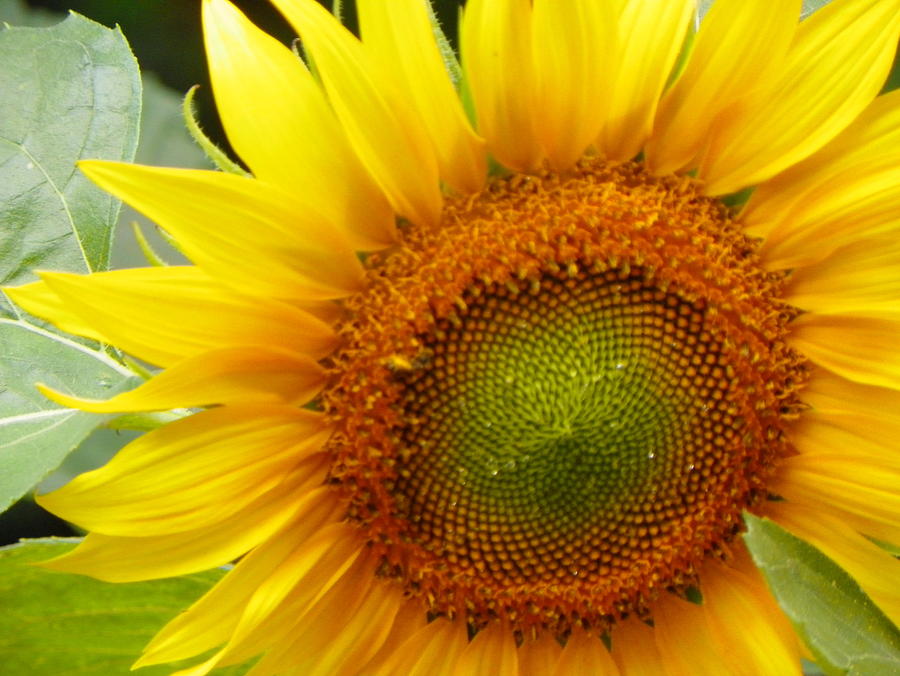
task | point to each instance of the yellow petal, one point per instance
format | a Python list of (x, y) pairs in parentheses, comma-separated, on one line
[(860, 278), (280, 123), (576, 45), (862, 492), (432, 650), (291, 608), (383, 130), (409, 620), (747, 624), (129, 559), (41, 301), (651, 34), (234, 226), (495, 41), (634, 649), (860, 349), (163, 315), (259, 581), (739, 44), (846, 191), (398, 35), (836, 66), (821, 434), (844, 414), (538, 657), (191, 473), (684, 641), (492, 651), (342, 631), (227, 376), (873, 568), (585, 654)]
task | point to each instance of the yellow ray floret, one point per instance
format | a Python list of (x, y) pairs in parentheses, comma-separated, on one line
[(408, 621), (212, 619), (634, 648), (385, 133), (739, 45), (492, 651), (279, 122), (233, 226), (860, 278), (147, 557), (496, 46), (399, 37), (585, 654), (294, 583), (227, 376), (341, 630), (164, 315), (845, 192), (862, 411), (872, 567), (837, 63), (216, 462), (574, 57), (863, 495), (650, 36), (746, 622), (538, 656), (428, 650), (683, 638), (860, 349)]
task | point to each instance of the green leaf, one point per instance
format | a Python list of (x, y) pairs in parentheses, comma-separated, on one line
[(451, 63), (36, 434), (215, 154), (67, 92), (56, 624), (847, 633)]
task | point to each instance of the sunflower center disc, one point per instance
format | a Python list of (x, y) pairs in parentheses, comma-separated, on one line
[(557, 405), (558, 421)]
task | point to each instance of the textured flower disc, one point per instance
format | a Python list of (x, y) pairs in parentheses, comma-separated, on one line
[(556, 405)]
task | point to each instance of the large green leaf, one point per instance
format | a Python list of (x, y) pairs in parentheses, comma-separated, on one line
[(36, 434), (55, 624), (67, 92), (846, 632)]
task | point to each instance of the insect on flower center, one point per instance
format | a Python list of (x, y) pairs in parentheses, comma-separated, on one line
[(556, 405)]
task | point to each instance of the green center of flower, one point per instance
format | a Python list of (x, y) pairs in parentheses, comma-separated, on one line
[(555, 406), (560, 416)]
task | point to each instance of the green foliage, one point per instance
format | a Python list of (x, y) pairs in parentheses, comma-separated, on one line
[(66, 92), (36, 434), (215, 154), (54, 624), (846, 632)]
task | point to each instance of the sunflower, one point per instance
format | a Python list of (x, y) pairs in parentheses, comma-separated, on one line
[(489, 360)]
